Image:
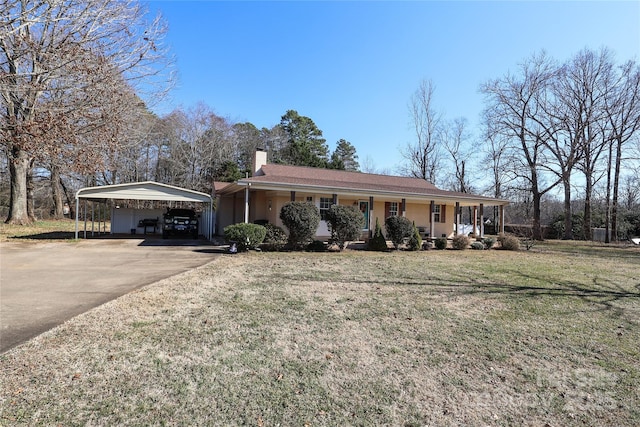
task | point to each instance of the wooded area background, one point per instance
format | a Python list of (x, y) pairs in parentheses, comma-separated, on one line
[(560, 138)]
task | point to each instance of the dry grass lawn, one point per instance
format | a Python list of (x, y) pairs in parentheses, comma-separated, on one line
[(545, 337)]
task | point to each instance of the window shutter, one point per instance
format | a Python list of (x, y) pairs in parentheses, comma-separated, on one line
[(443, 213)]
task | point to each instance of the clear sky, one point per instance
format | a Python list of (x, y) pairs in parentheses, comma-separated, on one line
[(353, 66)]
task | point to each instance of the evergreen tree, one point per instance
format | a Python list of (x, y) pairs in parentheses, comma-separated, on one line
[(344, 157), (305, 145)]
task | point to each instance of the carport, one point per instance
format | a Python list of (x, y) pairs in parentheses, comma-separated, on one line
[(148, 190)]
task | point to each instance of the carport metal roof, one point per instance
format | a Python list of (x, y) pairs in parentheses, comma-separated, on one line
[(147, 190)]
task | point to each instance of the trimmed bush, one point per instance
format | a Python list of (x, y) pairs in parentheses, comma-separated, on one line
[(345, 223), (415, 241), (246, 236), (477, 246), (301, 219), (488, 242), (440, 243), (275, 235), (509, 242), (378, 241), (398, 229), (460, 242)]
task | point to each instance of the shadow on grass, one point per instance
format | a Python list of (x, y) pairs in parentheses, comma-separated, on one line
[(51, 235)]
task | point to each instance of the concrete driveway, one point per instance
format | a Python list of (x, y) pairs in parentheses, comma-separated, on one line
[(44, 284)]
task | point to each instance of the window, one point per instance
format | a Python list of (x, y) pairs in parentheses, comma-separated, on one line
[(309, 199), (393, 208), (436, 213), (325, 204)]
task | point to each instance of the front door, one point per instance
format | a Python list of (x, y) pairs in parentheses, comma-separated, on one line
[(364, 208)]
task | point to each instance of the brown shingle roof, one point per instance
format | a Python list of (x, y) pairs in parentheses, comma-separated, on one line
[(337, 179)]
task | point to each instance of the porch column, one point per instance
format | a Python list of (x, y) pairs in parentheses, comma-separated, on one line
[(501, 218), (457, 218), (475, 220), (432, 226), (370, 216), (293, 196), (246, 204), (481, 220), (404, 207)]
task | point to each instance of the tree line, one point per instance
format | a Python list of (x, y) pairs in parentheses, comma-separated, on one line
[(78, 78), (568, 128)]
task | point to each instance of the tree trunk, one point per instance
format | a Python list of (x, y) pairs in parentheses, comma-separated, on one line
[(536, 230), (568, 223), (18, 170), (616, 186), (587, 209), (31, 194), (607, 212), (57, 193)]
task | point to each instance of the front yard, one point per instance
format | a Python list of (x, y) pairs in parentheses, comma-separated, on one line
[(545, 337)]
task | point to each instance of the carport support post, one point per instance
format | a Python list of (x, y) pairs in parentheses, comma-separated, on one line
[(77, 209)]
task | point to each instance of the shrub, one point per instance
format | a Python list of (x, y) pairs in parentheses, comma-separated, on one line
[(398, 229), (246, 236), (346, 224), (509, 242), (378, 241), (415, 241), (477, 246), (275, 235), (488, 242), (460, 242), (316, 246), (440, 243), (301, 219)]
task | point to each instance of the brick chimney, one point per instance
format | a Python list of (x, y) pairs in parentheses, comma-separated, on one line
[(259, 160)]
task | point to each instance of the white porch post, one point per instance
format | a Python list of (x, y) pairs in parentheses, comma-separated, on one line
[(457, 213), (432, 226), (481, 220), (501, 218), (246, 204), (404, 207), (475, 220)]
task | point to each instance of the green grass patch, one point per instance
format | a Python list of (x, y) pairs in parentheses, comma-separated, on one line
[(542, 337)]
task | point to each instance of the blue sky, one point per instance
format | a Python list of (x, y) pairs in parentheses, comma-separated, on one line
[(353, 66)]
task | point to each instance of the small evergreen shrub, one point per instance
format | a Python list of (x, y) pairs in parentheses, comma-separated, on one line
[(316, 246), (440, 243), (246, 236), (477, 246), (415, 241), (509, 242), (488, 242), (378, 241), (398, 229), (301, 219), (460, 242), (345, 223), (275, 235)]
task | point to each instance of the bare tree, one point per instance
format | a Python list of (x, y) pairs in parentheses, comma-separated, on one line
[(512, 102), (57, 60), (423, 156), (455, 142), (622, 107)]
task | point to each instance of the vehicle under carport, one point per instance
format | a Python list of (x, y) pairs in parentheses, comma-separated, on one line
[(125, 220)]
